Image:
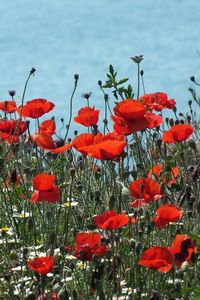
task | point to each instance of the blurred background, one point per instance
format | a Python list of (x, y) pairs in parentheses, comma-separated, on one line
[(62, 37)]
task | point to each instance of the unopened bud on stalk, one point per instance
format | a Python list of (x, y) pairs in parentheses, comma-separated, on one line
[(171, 122), (177, 122), (100, 83), (190, 103), (184, 266), (132, 243), (192, 78), (192, 144), (76, 77), (32, 71)]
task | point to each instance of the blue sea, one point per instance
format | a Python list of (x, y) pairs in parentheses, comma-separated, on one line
[(62, 37)]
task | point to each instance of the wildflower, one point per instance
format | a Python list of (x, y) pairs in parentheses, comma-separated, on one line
[(177, 133), (8, 106), (103, 147), (45, 189), (41, 265), (87, 116), (110, 220), (48, 127), (159, 170), (167, 213), (183, 248), (145, 191), (13, 127), (131, 116), (88, 244), (158, 258), (157, 101), (35, 108)]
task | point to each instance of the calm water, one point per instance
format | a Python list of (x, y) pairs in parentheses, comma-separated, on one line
[(61, 37)]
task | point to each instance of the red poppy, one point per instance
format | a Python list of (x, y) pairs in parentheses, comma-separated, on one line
[(8, 106), (144, 191), (183, 248), (129, 110), (157, 101), (158, 258), (41, 265), (88, 244), (87, 116), (169, 178), (13, 127), (149, 120), (48, 127), (45, 189), (43, 140), (110, 220), (108, 147), (177, 133), (35, 108), (167, 213), (8, 138)]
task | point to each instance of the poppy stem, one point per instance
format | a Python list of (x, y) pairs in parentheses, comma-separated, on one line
[(70, 112)]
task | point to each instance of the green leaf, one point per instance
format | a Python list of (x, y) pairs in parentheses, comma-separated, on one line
[(122, 81), (111, 69)]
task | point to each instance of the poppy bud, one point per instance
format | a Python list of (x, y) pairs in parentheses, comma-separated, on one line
[(184, 266), (190, 102), (125, 192), (138, 248), (174, 109), (159, 143), (177, 122), (76, 77), (167, 120), (75, 132), (32, 71), (192, 144), (188, 189), (108, 254), (171, 122), (12, 93), (181, 121), (97, 195), (142, 72), (100, 83), (192, 78), (105, 121), (189, 119)]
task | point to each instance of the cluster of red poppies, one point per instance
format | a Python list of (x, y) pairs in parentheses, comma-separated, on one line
[(130, 116)]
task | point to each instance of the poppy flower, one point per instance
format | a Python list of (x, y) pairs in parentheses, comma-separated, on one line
[(183, 248), (88, 244), (124, 124), (13, 127), (41, 265), (177, 133), (129, 110), (35, 108), (157, 101), (167, 177), (87, 116), (103, 147), (144, 190), (43, 140), (167, 213), (48, 127), (45, 189), (110, 220), (8, 106), (158, 258)]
